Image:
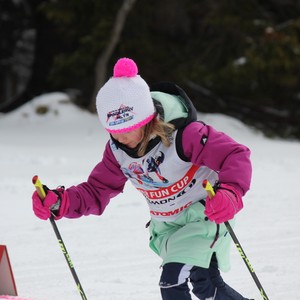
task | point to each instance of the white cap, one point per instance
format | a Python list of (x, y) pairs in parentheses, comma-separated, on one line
[(124, 103)]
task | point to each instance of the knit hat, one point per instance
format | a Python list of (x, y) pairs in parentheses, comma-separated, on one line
[(124, 103)]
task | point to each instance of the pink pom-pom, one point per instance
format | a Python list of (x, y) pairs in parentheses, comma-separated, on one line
[(125, 67)]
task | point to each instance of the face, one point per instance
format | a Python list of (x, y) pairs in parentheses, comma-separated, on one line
[(130, 139)]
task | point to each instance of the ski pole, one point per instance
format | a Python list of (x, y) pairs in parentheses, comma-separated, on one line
[(42, 194), (211, 192)]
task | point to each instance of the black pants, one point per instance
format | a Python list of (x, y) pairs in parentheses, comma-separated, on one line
[(207, 283)]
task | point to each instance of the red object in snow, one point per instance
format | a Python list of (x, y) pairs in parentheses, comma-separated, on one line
[(7, 282)]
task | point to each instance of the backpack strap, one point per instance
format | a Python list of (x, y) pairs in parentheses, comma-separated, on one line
[(179, 144), (180, 123)]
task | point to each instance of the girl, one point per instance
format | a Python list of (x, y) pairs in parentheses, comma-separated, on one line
[(157, 143)]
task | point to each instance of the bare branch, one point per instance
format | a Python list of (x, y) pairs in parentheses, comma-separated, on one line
[(103, 59)]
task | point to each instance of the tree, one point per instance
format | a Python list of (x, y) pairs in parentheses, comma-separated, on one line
[(28, 56), (16, 49), (103, 58), (88, 33), (241, 59)]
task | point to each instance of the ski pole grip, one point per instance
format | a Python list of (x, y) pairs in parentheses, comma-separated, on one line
[(209, 189), (39, 187)]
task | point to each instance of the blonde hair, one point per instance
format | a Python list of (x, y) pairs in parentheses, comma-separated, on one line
[(156, 127)]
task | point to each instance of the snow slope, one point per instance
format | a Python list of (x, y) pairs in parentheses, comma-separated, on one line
[(110, 253)]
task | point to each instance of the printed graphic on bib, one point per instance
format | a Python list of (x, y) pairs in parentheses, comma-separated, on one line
[(148, 173)]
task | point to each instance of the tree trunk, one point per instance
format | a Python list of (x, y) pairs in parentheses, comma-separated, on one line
[(103, 58)]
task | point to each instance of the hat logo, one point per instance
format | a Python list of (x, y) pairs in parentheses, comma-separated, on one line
[(121, 115)]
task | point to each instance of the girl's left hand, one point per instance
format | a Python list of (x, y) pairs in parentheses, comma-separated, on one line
[(224, 205)]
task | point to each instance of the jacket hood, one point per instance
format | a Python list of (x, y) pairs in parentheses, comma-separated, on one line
[(173, 105)]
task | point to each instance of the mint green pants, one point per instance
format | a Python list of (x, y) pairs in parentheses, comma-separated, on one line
[(190, 239)]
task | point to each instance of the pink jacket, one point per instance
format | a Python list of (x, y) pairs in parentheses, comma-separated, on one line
[(202, 145)]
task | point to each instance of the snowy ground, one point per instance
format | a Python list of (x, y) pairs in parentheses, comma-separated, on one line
[(110, 253)]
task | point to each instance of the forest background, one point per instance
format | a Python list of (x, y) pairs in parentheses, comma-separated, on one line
[(240, 58)]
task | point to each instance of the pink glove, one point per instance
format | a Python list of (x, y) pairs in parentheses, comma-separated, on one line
[(224, 205), (56, 203)]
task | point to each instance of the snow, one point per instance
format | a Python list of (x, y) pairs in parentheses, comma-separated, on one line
[(110, 253)]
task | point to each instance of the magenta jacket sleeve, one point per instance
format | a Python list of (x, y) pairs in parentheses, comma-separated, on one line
[(204, 146), (105, 182)]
